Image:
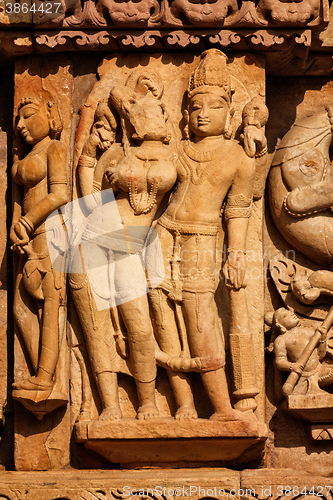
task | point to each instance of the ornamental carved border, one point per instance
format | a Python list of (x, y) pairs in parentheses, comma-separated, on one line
[(73, 14)]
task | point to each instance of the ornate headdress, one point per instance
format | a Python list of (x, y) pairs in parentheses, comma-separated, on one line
[(211, 72), (51, 109)]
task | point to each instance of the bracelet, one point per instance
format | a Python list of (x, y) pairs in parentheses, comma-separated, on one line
[(87, 161), (261, 153), (96, 187), (27, 224)]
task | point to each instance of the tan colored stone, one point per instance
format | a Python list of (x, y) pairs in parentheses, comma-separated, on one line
[(40, 86), (301, 344), (89, 485)]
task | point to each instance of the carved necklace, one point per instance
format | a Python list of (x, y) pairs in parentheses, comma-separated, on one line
[(143, 202), (200, 159)]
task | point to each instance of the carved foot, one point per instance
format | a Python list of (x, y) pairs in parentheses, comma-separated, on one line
[(148, 411), (111, 413), (186, 413), (32, 384)]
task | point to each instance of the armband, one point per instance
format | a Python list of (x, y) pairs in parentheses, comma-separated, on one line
[(238, 206), (87, 161)]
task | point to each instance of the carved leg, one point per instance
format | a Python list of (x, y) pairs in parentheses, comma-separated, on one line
[(241, 352), (98, 332), (37, 393), (87, 397), (199, 312), (26, 317), (168, 340), (50, 333), (49, 340), (135, 314)]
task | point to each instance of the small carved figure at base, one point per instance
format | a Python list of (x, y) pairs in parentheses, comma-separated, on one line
[(290, 345)]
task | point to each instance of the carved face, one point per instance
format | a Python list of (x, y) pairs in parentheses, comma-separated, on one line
[(288, 319), (208, 115), (33, 123)]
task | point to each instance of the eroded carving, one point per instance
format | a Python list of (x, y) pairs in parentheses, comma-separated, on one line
[(305, 12), (204, 13), (301, 187)]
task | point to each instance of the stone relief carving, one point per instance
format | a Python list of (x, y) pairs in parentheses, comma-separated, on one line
[(206, 13), (188, 12), (189, 225), (147, 210), (40, 187), (306, 12), (300, 185), (142, 172), (300, 350)]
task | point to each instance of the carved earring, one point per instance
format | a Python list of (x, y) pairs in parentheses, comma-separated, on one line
[(186, 128), (227, 132)]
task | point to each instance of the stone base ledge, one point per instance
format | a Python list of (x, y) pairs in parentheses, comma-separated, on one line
[(168, 441)]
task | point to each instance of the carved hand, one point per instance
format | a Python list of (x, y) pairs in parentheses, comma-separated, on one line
[(297, 368), (235, 270), (99, 138), (111, 174), (254, 140), (19, 237)]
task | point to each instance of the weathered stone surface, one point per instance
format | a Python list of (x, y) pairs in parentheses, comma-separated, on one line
[(290, 439), (175, 13), (295, 300), (284, 482), (51, 81), (72, 485)]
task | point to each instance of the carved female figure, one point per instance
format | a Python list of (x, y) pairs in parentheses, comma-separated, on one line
[(139, 172), (40, 187), (211, 168)]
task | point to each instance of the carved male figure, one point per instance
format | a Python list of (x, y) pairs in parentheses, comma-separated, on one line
[(290, 344), (211, 169)]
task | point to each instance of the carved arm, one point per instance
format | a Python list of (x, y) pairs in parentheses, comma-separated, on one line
[(309, 199)]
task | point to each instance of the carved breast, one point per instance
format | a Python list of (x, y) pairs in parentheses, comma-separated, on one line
[(29, 171), (143, 172)]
